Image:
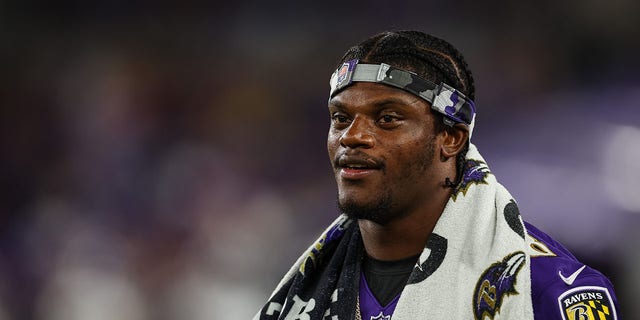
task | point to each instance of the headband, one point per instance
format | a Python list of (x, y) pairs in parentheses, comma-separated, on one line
[(454, 105)]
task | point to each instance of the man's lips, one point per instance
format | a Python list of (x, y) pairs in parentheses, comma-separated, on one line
[(355, 167), (355, 174)]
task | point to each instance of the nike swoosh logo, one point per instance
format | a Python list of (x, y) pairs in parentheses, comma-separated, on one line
[(570, 279)]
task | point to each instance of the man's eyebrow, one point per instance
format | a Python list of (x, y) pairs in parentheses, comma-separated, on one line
[(393, 101), (384, 102), (336, 104)]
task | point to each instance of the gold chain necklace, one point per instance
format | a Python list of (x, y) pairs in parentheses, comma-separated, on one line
[(358, 314)]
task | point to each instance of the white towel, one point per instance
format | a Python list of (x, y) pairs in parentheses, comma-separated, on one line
[(475, 264)]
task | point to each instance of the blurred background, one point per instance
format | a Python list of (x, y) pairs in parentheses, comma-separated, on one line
[(167, 160)]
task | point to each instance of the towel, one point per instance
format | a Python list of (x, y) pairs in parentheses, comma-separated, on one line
[(475, 264)]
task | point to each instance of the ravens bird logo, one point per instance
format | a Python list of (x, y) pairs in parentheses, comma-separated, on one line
[(475, 172), (495, 283)]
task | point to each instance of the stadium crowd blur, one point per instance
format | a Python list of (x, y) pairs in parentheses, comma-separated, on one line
[(168, 161)]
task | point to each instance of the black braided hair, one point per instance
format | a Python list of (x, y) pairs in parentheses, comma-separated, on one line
[(430, 57)]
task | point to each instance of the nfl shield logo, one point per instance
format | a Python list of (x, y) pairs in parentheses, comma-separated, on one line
[(381, 316), (588, 303)]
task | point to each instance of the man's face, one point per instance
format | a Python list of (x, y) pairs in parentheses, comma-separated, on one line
[(381, 145)]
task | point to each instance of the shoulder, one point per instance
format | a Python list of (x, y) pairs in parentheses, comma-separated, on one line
[(564, 288)]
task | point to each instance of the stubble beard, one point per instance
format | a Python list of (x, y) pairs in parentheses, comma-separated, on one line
[(382, 210), (378, 212)]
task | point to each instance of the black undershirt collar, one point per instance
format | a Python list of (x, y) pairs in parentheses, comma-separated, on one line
[(386, 279)]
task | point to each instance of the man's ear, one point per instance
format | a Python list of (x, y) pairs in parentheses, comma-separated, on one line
[(454, 140)]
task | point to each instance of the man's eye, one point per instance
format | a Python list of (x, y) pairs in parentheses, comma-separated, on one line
[(389, 121), (339, 118), (387, 118)]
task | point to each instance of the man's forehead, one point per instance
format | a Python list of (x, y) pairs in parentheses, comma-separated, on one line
[(364, 93)]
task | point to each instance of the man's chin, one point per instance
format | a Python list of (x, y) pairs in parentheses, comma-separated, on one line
[(378, 211)]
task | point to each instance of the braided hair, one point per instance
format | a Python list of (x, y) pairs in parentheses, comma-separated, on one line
[(430, 57)]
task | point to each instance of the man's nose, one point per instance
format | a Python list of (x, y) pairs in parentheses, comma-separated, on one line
[(359, 134)]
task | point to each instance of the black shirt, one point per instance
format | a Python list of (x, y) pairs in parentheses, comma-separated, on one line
[(386, 279)]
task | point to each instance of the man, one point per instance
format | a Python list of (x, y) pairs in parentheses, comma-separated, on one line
[(426, 231)]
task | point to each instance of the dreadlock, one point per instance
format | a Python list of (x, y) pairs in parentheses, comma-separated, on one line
[(430, 57)]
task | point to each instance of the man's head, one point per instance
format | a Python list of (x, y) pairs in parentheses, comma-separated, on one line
[(390, 151)]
